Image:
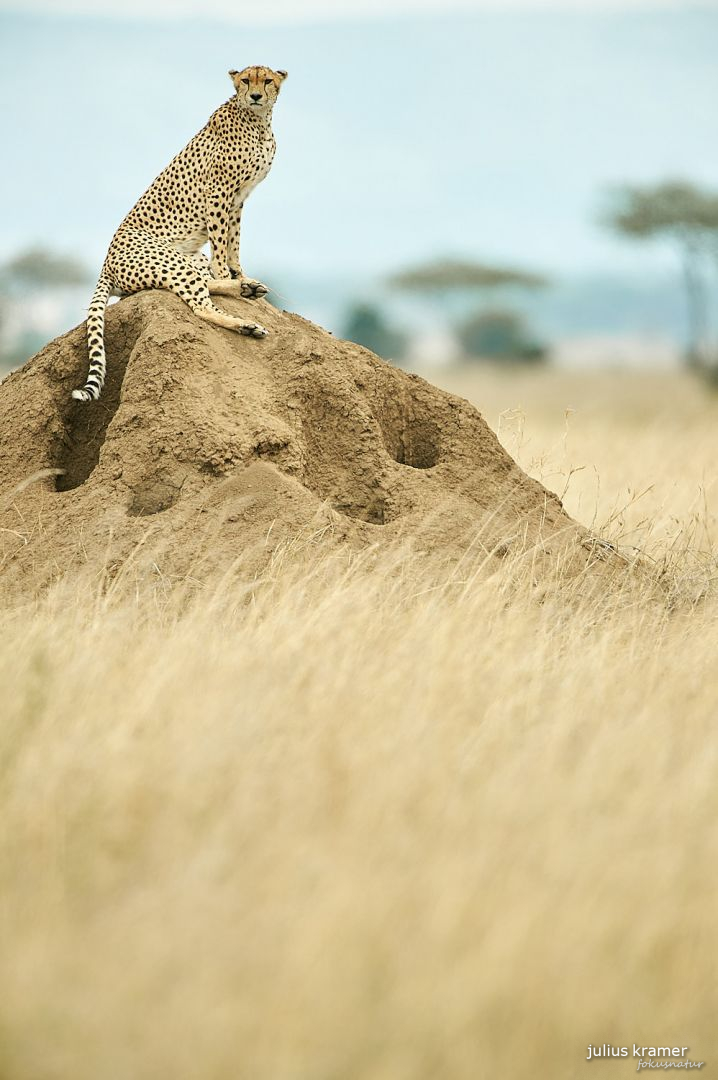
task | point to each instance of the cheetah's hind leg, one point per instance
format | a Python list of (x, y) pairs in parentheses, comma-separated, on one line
[(200, 302), (167, 268)]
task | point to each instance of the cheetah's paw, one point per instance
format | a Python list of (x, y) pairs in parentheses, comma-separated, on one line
[(252, 330), (253, 290)]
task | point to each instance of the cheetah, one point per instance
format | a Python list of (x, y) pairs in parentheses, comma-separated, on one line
[(198, 197)]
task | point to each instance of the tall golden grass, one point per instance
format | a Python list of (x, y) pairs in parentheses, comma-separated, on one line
[(362, 819)]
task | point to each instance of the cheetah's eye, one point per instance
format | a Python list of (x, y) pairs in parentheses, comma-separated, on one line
[(245, 81), (268, 82)]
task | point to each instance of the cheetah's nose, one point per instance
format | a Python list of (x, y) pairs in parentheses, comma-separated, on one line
[(255, 97)]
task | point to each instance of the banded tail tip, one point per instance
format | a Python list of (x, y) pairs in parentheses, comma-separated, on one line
[(82, 395)]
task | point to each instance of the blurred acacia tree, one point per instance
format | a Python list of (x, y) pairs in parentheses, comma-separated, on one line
[(688, 216), (367, 326), (455, 284), (24, 278), (500, 335), (460, 280), (37, 268)]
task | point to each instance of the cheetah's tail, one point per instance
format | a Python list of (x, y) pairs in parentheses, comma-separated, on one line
[(96, 341)]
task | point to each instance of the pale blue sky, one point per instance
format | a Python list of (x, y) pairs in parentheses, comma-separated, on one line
[(479, 133), (295, 11)]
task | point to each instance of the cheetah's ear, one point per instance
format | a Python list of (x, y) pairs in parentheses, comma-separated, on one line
[(282, 75)]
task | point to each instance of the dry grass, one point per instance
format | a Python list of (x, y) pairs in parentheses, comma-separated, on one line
[(633, 454), (355, 821)]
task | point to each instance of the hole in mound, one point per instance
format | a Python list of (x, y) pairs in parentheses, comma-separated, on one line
[(423, 454), (87, 423), (410, 439)]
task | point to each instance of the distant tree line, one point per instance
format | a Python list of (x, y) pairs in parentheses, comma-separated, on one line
[(37, 268), (677, 211), (32, 273), (458, 289)]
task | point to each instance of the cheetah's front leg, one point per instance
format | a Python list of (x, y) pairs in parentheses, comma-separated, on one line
[(235, 225), (249, 288), (218, 209)]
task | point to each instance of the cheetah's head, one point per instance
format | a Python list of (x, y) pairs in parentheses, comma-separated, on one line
[(257, 87)]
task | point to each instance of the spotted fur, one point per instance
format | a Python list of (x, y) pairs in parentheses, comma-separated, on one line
[(198, 197)]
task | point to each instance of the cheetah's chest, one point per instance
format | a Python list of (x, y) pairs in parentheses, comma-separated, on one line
[(256, 162)]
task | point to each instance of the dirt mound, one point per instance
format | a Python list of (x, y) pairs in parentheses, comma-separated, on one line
[(206, 445)]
